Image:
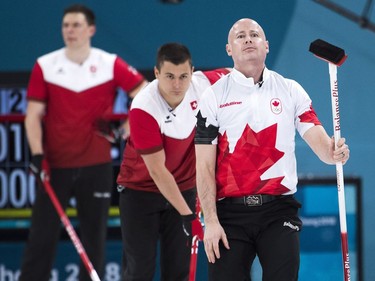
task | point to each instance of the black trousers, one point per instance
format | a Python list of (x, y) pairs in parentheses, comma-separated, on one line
[(91, 187), (270, 231), (146, 219)]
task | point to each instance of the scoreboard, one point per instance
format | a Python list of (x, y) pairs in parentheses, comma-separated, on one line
[(17, 185)]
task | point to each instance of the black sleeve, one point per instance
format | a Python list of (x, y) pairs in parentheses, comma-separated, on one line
[(203, 134)]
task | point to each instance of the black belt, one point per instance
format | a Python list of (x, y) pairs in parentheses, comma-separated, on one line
[(252, 200)]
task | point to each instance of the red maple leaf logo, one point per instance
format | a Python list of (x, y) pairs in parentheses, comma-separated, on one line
[(275, 103), (239, 172)]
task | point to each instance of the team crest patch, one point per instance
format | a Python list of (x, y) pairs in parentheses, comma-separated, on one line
[(194, 105), (276, 106)]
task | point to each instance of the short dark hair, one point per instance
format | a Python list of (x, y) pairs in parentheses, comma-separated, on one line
[(78, 8), (175, 53)]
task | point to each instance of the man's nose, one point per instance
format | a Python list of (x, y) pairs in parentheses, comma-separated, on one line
[(68, 29), (176, 83)]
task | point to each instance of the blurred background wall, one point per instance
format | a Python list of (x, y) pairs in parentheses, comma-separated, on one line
[(135, 29)]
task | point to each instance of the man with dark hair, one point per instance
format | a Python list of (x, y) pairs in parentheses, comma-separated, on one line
[(157, 175), (87, 12), (70, 90)]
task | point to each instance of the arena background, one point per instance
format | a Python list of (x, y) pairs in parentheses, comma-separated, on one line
[(134, 30)]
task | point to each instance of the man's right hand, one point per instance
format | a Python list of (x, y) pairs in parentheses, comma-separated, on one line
[(214, 232)]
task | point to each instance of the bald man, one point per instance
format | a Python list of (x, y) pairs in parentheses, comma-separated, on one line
[(246, 166)]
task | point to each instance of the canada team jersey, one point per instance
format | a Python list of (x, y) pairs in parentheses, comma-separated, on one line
[(76, 97), (254, 129), (155, 126)]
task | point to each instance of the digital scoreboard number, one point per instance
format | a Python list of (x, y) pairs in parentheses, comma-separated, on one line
[(17, 185)]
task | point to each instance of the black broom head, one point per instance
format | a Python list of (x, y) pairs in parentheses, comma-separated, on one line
[(328, 52)]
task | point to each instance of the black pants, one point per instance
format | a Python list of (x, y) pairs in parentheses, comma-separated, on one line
[(146, 218), (91, 186), (270, 231)]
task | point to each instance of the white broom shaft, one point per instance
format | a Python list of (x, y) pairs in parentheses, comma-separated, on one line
[(339, 170), (337, 135)]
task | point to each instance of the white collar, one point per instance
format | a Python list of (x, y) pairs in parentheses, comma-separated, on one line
[(248, 81)]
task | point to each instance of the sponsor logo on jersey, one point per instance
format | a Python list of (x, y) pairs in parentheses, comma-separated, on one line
[(230, 103), (168, 119)]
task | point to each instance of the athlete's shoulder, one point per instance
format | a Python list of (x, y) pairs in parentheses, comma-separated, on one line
[(199, 81), (213, 75), (279, 79), (277, 76), (146, 97), (220, 84), (52, 57), (149, 102), (102, 56), (283, 84)]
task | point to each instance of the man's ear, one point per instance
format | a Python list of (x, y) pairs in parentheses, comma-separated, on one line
[(228, 49), (156, 72), (92, 30)]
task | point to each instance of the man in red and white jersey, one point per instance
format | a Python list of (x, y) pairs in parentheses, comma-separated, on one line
[(246, 166), (70, 91), (157, 175)]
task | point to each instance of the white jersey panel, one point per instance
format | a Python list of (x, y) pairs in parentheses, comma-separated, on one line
[(97, 69), (271, 110), (180, 122)]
